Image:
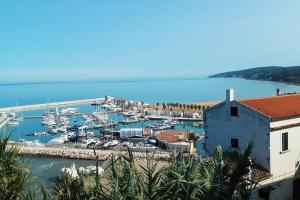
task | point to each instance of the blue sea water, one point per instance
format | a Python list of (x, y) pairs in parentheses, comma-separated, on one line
[(203, 89)]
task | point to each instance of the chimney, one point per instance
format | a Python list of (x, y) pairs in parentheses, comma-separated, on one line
[(278, 93), (229, 95)]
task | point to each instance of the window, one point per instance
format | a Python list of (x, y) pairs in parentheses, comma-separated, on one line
[(285, 142), (234, 143), (234, 111)]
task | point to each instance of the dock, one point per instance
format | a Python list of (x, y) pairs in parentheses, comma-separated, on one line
[(3, 123), (51, 105), (159, 117)]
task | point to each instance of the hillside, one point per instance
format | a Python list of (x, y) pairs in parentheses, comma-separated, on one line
[(273, 73)]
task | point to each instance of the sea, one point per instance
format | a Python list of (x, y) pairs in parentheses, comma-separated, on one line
[(163, 91)]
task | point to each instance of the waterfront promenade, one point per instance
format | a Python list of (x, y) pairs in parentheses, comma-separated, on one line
[(78, 153), (51, 105)]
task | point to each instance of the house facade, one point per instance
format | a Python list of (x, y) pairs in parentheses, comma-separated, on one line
[(274, 125)]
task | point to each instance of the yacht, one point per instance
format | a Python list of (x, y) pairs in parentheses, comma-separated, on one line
[(132, 119)]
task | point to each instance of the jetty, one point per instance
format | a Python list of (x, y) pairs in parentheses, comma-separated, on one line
[(52, 105), (3, 123), (78, 153)]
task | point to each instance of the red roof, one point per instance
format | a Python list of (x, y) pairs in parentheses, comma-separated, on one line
[(276, 107), (171, 136)]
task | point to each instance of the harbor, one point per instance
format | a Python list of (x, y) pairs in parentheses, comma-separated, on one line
[(106, 124)]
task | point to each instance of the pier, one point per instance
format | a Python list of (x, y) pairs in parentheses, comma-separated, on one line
[(51, 105), (3, 123)]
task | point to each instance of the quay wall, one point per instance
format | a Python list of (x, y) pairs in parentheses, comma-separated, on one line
[(77, 153), (50, 105)]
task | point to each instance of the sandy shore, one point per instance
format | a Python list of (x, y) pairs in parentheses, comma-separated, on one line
[(77, 153), (205, 103)]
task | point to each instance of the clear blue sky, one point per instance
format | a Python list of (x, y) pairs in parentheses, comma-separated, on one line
[(58, 39)]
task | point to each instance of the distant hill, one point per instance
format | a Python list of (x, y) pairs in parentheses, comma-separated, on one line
[(273, 73)]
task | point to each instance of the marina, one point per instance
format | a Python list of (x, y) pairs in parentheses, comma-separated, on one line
[(109, 124)]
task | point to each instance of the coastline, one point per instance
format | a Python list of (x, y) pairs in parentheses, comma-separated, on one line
[(261, 80)]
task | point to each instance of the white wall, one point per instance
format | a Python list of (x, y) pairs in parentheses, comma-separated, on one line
[(220, 127), (283, 189), (285, 163)]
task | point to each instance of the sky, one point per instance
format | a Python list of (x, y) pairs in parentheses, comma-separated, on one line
[(129, 39)]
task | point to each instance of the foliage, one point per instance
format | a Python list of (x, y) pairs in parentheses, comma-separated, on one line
[(278, 74), (182, 177), (14, 174)]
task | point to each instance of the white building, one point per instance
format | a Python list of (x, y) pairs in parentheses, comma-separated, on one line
[(131, 132), (274, 124)]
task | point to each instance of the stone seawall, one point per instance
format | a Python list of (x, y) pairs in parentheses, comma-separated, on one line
[(85, 154)]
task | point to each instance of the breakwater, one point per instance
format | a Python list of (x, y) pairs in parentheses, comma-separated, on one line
[(77, 153), (51, 105)]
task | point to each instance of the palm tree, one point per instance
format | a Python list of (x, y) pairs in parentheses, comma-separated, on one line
[(180, 106), (224, 176), (14, 176)]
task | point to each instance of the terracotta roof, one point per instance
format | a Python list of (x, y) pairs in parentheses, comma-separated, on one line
[(172, 136), (276, 107)]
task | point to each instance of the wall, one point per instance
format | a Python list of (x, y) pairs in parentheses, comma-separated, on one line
[(283, 188), (220, 127), (285, 163)]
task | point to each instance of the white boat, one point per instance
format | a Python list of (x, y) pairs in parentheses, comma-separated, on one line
[(132, 119), (71, 171), (111, 144), (53, 130), (90, 170), (39, 134), (69, 111)]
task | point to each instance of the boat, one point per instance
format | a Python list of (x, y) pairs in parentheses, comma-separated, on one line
[(71, 171), (39, 134), (69, 111), (111, 144), (130, 120), (13, 123), (128, 114), (90, 170), (53, 130)]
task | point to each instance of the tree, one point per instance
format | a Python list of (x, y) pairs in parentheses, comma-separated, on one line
[(180, 106), (14, 176), (183, 177)]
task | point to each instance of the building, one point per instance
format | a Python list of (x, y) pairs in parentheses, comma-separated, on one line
[(173, 139), (131, 132), (274, 124), (194, 115)]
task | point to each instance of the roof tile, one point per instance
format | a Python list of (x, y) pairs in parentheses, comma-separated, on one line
[(276, 107)]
